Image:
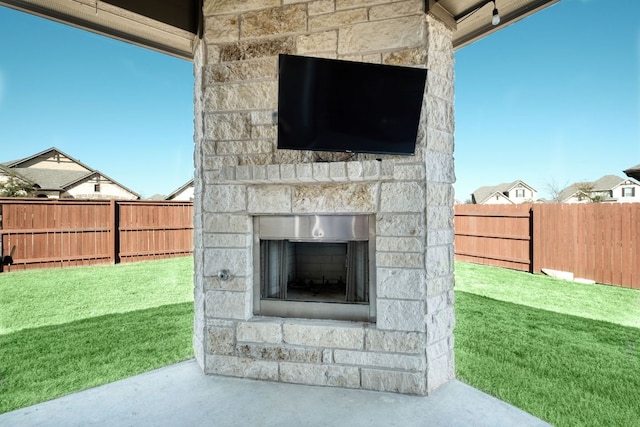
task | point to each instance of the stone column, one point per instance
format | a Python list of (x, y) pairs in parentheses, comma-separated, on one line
[(240, 174)]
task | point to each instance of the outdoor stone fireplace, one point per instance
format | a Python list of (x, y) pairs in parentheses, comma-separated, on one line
[(376, 311)]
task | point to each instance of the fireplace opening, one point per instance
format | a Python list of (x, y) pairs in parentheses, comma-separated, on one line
[(314, 267)]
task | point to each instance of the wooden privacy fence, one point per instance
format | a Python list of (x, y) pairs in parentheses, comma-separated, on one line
[(597, 241), (55, 233)]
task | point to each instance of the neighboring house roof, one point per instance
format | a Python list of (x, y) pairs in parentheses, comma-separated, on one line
[(56, 179), (180, 190), (51, 179), (483, 194), (16, 163), (606, 183), (633, 172)]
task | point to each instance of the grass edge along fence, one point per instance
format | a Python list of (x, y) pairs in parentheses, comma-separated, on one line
[(68, 232), (596, 241)]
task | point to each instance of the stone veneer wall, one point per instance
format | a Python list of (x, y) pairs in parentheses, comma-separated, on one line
[(239, 174)]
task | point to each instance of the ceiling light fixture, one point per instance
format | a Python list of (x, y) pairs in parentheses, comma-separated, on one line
[(495, 19)]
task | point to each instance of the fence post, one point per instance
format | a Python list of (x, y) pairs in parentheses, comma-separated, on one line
[(114, 231), (535, 218)]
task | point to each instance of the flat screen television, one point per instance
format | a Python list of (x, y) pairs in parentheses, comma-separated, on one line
[(335, 105)]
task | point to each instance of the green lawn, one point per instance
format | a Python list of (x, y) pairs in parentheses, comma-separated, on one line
[(567, 353), (64, 330)]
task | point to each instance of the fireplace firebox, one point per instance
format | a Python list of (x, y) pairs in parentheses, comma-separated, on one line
[(315, 266)]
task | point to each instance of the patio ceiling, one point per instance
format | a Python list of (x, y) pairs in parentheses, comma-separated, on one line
[(170, 26)]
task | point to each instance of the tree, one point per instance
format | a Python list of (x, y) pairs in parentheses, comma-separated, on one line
[(585, 191), (555, 189), (16, 187)]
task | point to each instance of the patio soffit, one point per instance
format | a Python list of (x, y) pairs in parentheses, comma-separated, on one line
[(171, 26)]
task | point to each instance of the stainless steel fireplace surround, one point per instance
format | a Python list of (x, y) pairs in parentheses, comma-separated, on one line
[(315, 266)]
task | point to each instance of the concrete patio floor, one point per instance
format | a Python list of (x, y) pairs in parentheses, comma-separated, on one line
[(181, 395)]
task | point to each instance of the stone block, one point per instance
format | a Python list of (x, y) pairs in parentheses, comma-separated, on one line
[(440, 217), (437, 285), (441, 87), (439, 302), (373, 58), (324, 375), (257, 49), (440, 141), (304, 172), (226, 223), (394, 381), (227, 305), (327, 356), (323, 334), (399, 260), (439, 194), (440, 371), (397, 9), (224, 198), (220, 340), (400, 244), (409, 172), (394, 342), (258, 95), (400, 315), (439, 113), (400, 197), (400, 225), (440, 237), (318, 7), (439, 261), (355, 171), (274, 21), (229, 126), (440, 348), (288, 172), (264, 132), (214, 7), (407, 57), (221, 29), (260, 331), (232, 366), (269, 199), (440, 325), (398, 283), (227, 240), (280, 353), (256, 69), (337, 19), (338, 171), (399, 33), (317, 42), (235, 283), (263, 117), (273, 173), (380, 360), (345, 198), (234, 260), (320, 172)]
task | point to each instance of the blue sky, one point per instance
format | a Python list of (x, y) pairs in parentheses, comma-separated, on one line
[(551, 99)]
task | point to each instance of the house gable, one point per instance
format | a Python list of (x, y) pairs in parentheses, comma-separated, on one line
[(184, 193), (512, 192), (609, 188), (59, 175), (50, 159)]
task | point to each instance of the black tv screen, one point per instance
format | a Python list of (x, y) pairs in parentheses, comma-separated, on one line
[(334, 105)]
